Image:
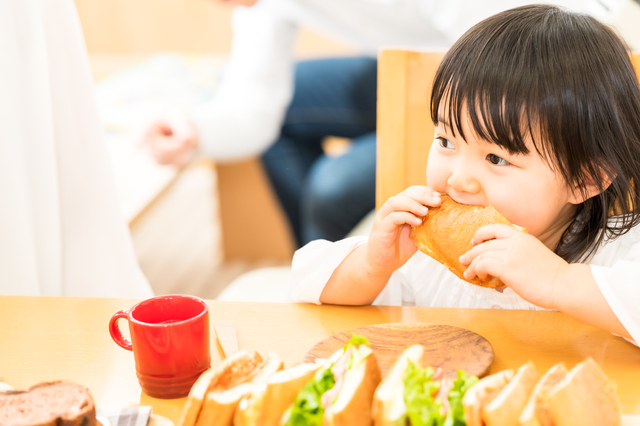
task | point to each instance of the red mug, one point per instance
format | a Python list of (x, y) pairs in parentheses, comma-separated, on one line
[(169, 340)]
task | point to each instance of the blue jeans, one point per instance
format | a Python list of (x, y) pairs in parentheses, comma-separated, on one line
[(325, 197)]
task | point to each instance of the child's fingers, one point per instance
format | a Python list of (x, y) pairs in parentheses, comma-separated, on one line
[(402, 203), (423, 195), (396, 219), (478, 250), (488, 263), (415, 199), (493, 232)]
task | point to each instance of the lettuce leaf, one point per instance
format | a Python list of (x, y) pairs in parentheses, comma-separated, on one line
[(307, 409), (357, 340), (419, 389), (424, 407), (455, 416)]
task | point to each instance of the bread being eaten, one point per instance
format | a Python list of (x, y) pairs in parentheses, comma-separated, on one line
[(446, 233)]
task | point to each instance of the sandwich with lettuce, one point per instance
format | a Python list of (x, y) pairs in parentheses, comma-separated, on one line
[(341, 391), (414, 395)]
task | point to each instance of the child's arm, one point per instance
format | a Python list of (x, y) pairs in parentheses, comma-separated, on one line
[(540, 276), (363, 274)]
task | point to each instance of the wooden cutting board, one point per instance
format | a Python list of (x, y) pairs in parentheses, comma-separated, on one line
[(448, 347)]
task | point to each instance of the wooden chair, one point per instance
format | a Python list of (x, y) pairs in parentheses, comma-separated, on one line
[(405, 130)]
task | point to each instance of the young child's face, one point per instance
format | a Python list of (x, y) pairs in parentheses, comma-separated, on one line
[(522, 187)]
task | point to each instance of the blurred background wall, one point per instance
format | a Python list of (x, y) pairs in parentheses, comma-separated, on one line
[(195, 26)]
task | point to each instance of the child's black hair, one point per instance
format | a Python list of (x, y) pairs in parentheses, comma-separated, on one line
[(565, 81)]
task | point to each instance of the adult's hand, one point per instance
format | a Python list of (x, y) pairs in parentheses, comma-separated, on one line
[(171, 141)]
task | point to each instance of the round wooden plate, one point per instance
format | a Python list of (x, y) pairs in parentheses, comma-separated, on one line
[(448, 347)]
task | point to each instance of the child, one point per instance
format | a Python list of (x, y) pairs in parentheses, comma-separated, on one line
[(537, 112)]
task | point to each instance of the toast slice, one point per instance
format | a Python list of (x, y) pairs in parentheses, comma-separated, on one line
[(533, 413), (506, 407), (482, 393), (585, 396)]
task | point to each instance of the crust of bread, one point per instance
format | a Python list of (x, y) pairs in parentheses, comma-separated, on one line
[(353, 405), (533, 413), (506, 407), (267, 402), (388, 407), (220, 404), (482, 393), (585, 396), (196, 396), (446, 233), (194, 400), (48, 404)]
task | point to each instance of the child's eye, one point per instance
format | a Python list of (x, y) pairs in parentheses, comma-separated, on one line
[(445, 143), (497, 161)]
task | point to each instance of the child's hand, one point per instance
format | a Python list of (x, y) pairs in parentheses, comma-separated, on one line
[(389, 245), (520, 260), (171, 141)]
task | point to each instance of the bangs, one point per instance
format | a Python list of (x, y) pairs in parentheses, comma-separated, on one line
[(495, 77)]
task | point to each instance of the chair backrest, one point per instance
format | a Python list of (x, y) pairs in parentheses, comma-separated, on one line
[(405, 130)]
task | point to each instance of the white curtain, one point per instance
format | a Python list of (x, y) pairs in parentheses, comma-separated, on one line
[(61, 231)]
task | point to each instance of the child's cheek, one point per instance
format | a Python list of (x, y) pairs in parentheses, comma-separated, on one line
[(436, 176)]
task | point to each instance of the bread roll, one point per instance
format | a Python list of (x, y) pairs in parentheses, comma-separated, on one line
[(446, 233), (48, 404)]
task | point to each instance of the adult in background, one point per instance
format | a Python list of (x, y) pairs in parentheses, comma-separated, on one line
[(60, 221), (270, 106)]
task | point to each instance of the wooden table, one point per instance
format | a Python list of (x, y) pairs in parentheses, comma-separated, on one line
[(47, 338)]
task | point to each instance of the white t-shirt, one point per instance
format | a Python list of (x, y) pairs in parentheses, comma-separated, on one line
[(423, 281), (61, 229)]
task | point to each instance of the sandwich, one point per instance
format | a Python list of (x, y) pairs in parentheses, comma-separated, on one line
[(214, 397), (506, 407), (416, 396), (49, 403), (266, 402), (582, 396), (341, 391), (446, 233), (535, 413)]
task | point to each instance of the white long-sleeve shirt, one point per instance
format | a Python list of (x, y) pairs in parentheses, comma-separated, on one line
[(245, 117), (61, 230), (423, 281)]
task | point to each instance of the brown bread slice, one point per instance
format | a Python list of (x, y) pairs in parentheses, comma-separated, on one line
[(58, 403)]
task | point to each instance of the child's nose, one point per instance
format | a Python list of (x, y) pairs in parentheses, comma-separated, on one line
[(463, 180)]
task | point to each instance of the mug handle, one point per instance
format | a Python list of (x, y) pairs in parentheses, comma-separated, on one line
[(115, 332)]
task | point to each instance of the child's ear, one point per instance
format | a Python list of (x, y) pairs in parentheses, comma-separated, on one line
[(589, 187)]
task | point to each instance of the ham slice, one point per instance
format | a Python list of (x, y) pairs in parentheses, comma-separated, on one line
[(339, 369)]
